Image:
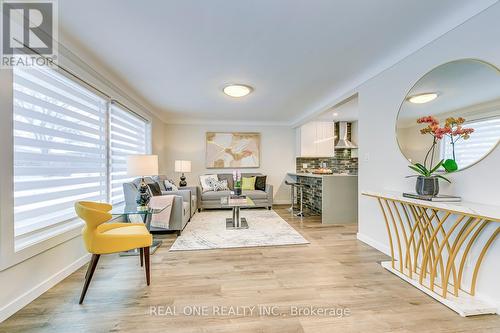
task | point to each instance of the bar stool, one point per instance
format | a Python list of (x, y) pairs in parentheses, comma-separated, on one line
[(300, 192), (292, 193), (300, 188)]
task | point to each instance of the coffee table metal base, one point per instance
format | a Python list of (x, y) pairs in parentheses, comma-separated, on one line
[(238, 222), (230, 224)]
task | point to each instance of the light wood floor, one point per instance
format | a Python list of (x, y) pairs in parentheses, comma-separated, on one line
[(335, 270)]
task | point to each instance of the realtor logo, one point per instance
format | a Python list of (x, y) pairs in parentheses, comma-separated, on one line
[(28, 33)]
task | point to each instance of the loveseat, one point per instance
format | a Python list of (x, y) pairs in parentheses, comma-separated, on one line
[(211, 199), (183, 206)]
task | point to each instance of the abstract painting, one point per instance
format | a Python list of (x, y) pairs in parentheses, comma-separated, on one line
[(233, 150)]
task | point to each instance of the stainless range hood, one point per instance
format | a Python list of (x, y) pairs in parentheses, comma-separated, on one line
[(343, 142)]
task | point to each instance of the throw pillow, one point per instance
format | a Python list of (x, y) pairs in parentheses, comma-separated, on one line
[(170, 186), (248, 183), (137, 182), (206, 181), (161, 185), (260, 183), (160, 181), (154, 188), (229, 178), (219, 185)]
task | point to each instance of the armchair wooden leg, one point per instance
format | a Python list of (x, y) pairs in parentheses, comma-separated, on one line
[(146, 258), (141, 254), (88, 276)]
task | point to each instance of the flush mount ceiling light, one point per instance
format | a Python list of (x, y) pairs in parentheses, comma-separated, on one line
[(423, 98), (335, 114), (237, 90)]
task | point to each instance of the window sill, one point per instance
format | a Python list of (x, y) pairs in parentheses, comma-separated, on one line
[(31, 240), (32, 245), (29, 246)]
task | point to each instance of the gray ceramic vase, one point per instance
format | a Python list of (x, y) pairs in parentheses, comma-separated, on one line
[(427, 186)]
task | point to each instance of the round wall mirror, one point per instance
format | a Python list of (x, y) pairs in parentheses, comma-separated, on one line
[(453, 114)]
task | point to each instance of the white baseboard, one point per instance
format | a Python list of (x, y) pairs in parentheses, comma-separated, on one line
[(32, 294), (373, 243)]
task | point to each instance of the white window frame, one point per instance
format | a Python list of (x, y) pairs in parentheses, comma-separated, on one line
[(444, 143), (43, 240)]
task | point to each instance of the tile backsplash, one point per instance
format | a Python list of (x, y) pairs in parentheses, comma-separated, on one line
[(342, 162), (312, 196)]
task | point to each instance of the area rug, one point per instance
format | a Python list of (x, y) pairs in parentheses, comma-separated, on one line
[(207, 230)]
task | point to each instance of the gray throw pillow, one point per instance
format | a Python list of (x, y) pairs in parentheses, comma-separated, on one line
[(161, 184), (219, 185), (170, 186), (229, 178), (154, 188)]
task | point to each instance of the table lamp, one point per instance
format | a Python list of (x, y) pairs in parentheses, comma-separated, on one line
[(182, 166), (141, 166)]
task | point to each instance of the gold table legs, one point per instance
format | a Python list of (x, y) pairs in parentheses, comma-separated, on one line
[(431, 248)]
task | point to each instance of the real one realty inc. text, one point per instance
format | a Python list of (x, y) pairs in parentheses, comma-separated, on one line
[(253, 310)]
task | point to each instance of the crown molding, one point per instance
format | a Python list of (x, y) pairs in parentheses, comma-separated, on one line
[(199, 121)]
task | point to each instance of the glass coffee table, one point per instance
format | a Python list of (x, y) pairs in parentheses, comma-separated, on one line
[(236, 222), (131, 213)]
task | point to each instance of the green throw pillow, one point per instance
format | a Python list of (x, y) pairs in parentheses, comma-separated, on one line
[(248, 183)]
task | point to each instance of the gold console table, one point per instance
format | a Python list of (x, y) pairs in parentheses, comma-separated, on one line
[(430, 245)]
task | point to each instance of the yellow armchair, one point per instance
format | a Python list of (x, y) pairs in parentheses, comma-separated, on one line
[(104, 238)]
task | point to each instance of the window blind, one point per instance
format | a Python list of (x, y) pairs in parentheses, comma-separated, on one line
[(128, 136), (485, 137), (59, 148)]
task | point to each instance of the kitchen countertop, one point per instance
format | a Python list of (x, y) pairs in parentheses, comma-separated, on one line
[(333, 196), (314, 175)]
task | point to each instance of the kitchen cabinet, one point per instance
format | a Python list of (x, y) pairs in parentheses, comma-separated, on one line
[(316, 139)]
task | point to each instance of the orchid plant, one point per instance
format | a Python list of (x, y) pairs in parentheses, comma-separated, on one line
[(453, 128), (237, 178), (456, 132)]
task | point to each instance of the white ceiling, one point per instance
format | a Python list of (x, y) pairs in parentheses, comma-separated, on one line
[(295, 53), (347, 110)]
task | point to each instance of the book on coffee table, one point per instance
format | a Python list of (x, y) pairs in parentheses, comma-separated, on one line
[(437, 198)]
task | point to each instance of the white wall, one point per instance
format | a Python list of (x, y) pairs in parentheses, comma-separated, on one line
[(187, 142), (381, 164), (158, 144), (25, 281), (415, 145)]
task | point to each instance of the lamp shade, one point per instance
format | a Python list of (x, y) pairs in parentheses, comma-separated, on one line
[(142, 165), (182, 166)]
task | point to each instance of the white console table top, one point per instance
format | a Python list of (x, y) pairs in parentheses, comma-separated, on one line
[(487, 212)]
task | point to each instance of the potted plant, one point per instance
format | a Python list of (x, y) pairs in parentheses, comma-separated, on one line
[(237, 182), (428, 178)]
